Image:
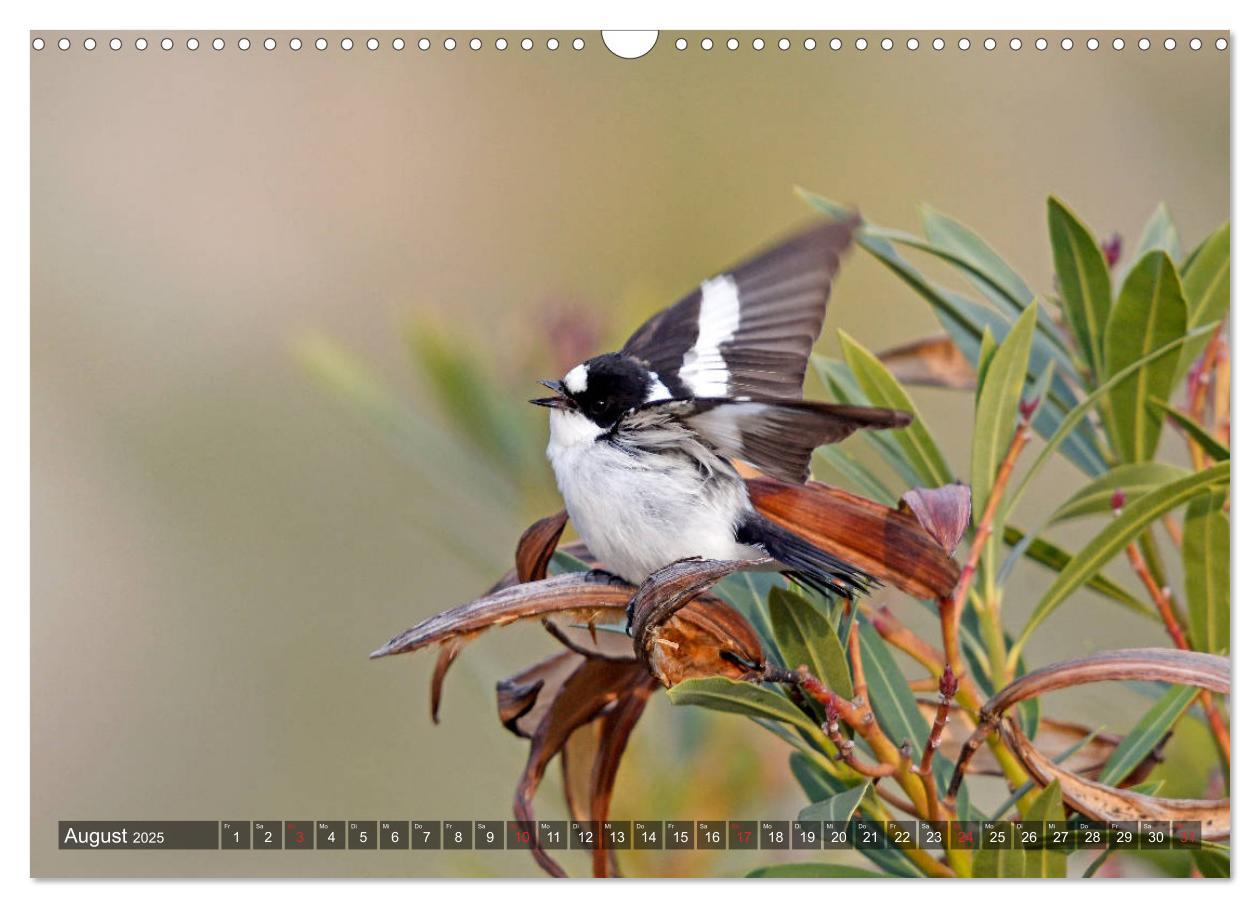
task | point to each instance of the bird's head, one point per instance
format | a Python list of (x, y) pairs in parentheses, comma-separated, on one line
[(605, 388)]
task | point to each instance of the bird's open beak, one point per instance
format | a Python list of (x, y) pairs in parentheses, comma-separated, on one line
[(561, 401)]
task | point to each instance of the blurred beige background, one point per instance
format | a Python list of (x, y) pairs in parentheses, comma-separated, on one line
[(218, 544)]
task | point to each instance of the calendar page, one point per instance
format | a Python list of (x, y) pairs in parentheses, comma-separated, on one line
[(708, 453)]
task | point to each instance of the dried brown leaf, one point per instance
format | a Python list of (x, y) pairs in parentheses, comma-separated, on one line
[(945, 512), (933, 361), (889, 544)]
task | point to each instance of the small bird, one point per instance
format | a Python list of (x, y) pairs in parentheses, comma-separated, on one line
[(642, 440)]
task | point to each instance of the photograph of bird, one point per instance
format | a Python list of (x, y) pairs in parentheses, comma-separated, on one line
[(642, 441)]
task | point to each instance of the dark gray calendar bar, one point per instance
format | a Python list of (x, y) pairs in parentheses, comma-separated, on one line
[(138, 835)]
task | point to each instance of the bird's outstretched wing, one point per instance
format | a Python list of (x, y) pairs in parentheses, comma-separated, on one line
[(749, 330), (775, 436)]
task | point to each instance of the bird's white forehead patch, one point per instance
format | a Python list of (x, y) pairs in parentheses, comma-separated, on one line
[(575, 381)]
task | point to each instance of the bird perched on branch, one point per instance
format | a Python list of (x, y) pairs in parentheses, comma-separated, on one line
[(642, 440)]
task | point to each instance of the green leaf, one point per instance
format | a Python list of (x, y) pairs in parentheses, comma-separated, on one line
[(838, 807), (805, 638), (1201, 436), (1148, 732), (1133, 479), (1159, 234), (1205, 557), (1017, 862), (1214, 865), (811, 870), (816, 785), (997, 407), (1056, 558), (989, 272), (1149, 314), (1205, 282), (1082, 409), (746, 699), (1084, 281), (988, 347), (882, 390), (748, 593), (890, 693), (1135, 517)]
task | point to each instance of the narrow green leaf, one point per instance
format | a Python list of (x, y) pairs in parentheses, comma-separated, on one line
[(1201, 436), (1205, 557), (890, 693), (1133, 479), (1158, 234), (989, 271), (1046, 863), (748, 592), (1084, 281), (746, 699), (1135, 517), (1056, 558), (1205, 281), (1096, 864), (838, 807), (1149, 314), (805, 638), (997, 407), (816, 785), (988, 346), (1079, 412), (1214, 865), (882, 390), (813, 870), (1148, 732)]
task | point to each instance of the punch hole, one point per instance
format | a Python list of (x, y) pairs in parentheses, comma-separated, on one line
[(938, 44), (474, 44), (758, 44), (501, 44), (243, 44), (1066, 44), (89, 44), (38, 44), (1170, 44), (1016, 44), (116, 43), (732, 44), (964, 43), (552, 44), (1041, 44), (295, 44), (167, 44), (578, 44), (860, 44), (346, 44), (810, 43), (1092, 44), (706, 44), (681, 44), (449, 44), (373, 44), (1221, 44), (269, 44), (627, 44), (142, 43), (1144, 44), (424, 44), (192, 44), (1118, 44), (321, 44), (784, 44), (398, 44), (527, 44), (836, 44), (989, 44), (1195, 44), (886, 44), (912, 44), (217, 44)]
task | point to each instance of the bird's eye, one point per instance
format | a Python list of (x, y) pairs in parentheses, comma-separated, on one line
[(601, 404)]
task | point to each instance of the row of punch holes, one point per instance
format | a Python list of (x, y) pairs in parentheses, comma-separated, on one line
[(681, 44)]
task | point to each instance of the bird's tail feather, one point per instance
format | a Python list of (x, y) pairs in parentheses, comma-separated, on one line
[(805, 562)]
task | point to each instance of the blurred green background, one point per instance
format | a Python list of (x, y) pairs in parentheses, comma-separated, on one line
[(217, 543)]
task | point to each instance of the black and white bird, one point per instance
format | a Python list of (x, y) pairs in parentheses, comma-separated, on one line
[(642, 440)]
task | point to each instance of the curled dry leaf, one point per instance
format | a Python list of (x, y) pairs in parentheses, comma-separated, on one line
[(933, 361), (888, 544), (1089, 797), (945, 512), (679, 636)]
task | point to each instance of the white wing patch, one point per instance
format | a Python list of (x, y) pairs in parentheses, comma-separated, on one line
[(575, 381), (657, 390), (703, 369)]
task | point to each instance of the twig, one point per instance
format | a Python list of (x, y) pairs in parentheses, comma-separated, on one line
[(1159, 596), (948, 687)]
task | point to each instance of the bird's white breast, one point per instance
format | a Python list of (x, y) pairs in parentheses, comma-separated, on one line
[(639, 511)]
